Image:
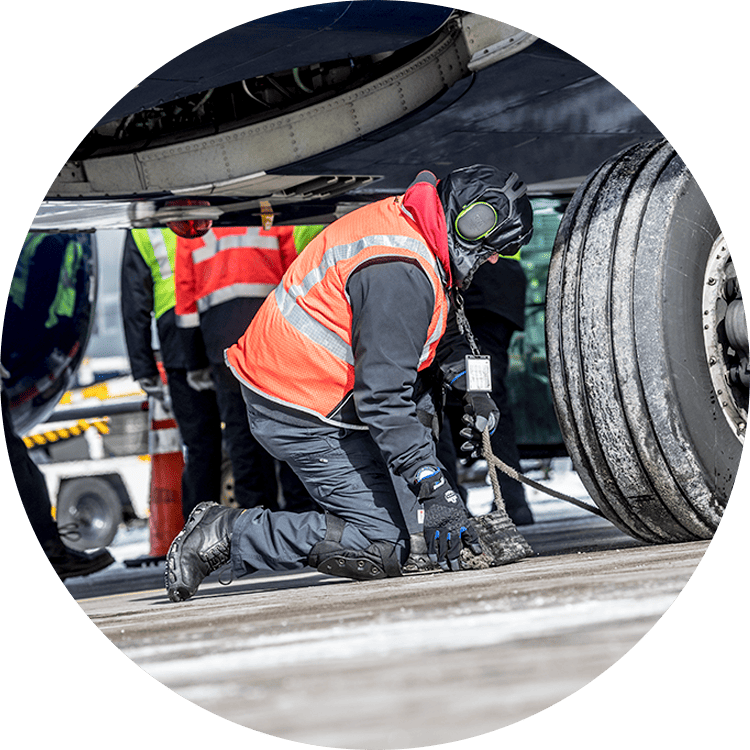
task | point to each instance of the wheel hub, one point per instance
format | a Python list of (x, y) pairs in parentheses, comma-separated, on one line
[(725, 337), (91, 518)]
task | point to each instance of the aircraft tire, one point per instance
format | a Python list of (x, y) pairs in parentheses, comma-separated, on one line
[(94, 506), (626, 350)]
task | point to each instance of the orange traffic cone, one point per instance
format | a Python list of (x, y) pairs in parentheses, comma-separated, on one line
[(165, 448)]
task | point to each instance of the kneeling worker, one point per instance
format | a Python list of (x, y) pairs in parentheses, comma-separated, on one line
[(335, 370)]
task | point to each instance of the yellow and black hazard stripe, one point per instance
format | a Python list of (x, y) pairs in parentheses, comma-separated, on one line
[(64, 433)]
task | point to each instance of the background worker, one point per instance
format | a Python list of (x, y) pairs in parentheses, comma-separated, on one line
[(222, 279), (495, 308), (360, 323), (147, 285)]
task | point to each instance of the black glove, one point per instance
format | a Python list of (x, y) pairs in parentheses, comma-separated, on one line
[(153, 386), (446, 522), (480, 412), (201, 380)]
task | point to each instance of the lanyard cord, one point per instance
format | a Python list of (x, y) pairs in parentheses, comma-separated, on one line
[(463, 322)]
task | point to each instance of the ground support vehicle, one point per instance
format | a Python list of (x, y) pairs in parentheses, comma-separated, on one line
[(97, 469)]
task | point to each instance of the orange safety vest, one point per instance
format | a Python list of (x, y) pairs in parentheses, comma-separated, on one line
[(297, 351), (226, 264)]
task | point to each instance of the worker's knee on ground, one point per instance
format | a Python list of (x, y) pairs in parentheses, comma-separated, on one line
[(379, 560)]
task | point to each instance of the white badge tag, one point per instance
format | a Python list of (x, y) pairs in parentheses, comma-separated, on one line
[(478, 373)]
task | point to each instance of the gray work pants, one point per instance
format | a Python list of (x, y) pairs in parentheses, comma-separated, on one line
[(345, 474)]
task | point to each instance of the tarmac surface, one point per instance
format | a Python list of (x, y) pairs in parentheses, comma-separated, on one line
[(406, 662)]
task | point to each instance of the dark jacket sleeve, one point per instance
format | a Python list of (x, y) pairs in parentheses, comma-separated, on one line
[(181, 348), (137, 303), (392, 305)]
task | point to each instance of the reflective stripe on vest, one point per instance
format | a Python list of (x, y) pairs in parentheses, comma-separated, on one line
[(157, 246), (235, 291), (226, 267), (317, 331), (213, 244)]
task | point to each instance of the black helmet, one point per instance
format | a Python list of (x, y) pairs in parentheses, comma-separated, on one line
[(487, 211)]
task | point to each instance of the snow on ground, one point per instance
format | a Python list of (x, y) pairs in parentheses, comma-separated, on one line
[(558, 475), (130, 542), (386, 638)]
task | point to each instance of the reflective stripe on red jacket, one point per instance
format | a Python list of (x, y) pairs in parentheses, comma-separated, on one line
[(227, 264), (298, 349)]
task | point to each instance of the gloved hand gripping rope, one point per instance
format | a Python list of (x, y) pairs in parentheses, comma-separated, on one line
[(502, 541)]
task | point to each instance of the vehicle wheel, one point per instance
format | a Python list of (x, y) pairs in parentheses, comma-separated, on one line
[(91, 509), (644, 358)]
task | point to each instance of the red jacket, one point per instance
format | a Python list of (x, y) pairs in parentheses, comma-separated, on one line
[(222, 278)]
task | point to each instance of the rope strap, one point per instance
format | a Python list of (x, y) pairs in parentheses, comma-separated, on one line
[(494, 463)]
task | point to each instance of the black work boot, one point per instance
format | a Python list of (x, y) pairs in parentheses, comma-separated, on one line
[(69, 563), (200, 548)]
